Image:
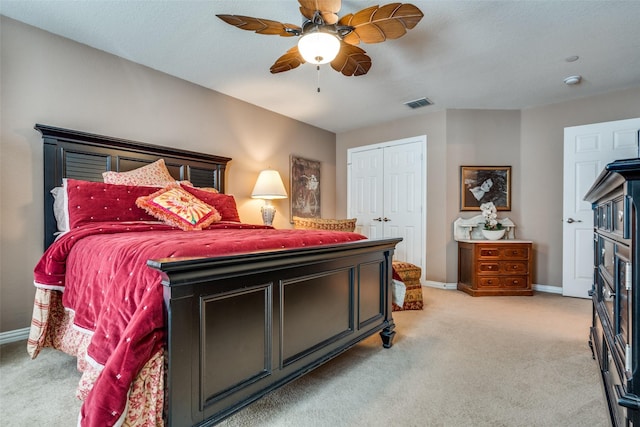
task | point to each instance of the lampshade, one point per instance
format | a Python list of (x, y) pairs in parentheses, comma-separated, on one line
[(318, 47), (269, 186)]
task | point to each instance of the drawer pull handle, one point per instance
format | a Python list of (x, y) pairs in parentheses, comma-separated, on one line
[(515, 282)]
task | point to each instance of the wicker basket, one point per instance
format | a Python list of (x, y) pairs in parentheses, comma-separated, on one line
[(324, 224)]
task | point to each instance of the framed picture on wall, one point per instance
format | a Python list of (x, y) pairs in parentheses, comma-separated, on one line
[(305, 187), (482, 184)]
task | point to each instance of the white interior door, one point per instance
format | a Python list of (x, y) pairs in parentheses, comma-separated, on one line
[(387, 194), (587, 149), (365, 191), (403, 199)]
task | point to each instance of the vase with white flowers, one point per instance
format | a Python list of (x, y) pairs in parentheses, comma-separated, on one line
[(492, 229)]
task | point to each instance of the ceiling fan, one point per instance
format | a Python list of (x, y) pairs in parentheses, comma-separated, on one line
[(326, 38)]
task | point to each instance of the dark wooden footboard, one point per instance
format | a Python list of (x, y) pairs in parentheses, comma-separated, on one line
[(242, 326)]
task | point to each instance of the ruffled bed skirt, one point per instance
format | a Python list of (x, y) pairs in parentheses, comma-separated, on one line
[(52, 326)]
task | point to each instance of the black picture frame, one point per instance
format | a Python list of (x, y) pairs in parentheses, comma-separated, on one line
[(482, 184)]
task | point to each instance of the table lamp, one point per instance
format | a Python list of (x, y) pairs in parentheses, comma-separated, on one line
[(268, 187)]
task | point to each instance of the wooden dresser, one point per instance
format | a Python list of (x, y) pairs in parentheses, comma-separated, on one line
[(615, 330), (495, 267)]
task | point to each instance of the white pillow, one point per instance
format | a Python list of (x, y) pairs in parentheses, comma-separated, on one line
[(60, 208)]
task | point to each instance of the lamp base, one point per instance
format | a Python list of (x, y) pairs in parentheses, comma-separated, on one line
[(268, 213)]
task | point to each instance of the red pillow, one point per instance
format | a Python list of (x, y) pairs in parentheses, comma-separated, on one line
[(224, 203), (96, 202)]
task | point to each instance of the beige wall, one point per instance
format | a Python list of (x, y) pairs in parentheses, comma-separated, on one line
[(531, 141), (50, 80), (541, 157)]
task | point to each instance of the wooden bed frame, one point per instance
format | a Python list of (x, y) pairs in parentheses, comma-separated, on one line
[(238, 326)]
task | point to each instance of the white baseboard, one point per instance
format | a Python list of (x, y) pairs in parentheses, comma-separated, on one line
[(453, 286), (548, 289), (13, 336), (440, 285)]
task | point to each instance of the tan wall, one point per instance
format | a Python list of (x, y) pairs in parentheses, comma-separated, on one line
[(542, 159), (51, 80), (531, 141)]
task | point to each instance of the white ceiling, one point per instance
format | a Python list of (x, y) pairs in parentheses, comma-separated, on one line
[(463, 54)]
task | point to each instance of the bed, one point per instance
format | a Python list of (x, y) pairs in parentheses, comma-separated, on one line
[(234, 324)]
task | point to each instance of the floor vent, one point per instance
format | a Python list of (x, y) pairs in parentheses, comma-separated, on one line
[(417, 103)]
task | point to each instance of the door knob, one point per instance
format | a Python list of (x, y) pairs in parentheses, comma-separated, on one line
[(386, 219), (377, 219), (571, 220)]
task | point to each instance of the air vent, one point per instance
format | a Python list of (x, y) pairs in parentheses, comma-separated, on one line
[(417, 103)]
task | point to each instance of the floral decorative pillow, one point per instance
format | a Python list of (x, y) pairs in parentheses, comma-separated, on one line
[(224, 203), (154, 174), (178, 208)]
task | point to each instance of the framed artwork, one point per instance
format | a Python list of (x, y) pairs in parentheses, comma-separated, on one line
[(482, 184), (305, 187)]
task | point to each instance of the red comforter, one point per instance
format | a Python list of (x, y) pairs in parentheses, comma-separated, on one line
[(119, 300)]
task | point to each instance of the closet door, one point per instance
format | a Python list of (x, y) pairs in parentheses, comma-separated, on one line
[(402, 206), (387, 195), (366, 190)]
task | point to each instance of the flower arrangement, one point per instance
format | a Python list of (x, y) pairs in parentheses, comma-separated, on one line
[(490, 215)]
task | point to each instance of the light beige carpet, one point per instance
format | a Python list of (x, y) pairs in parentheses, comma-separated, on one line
[(462, 361)]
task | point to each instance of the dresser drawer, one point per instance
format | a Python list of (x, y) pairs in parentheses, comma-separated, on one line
[(618, 216), (606, 257), (515, 252), (515, 282), (503, 267), (511, 282), (603, 217), (515, 267), (489, 281), (506, 251), (492, 252), (488, 267)]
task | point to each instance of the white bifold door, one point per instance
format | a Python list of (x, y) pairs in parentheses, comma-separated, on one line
[(387, 194)]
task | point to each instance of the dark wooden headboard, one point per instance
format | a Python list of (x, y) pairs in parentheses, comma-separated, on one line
[(81, 155)]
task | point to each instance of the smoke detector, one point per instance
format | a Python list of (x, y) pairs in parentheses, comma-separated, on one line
[(573, 80)]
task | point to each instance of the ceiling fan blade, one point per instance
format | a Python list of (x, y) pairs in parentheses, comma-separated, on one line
[(379, 23), (351, 61), (328, 9), (290, 60), (261, 26)]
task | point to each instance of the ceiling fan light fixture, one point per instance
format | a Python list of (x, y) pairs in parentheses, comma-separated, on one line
[(318, 47)]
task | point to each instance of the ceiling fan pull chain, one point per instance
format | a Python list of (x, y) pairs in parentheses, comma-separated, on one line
[(318, 68)]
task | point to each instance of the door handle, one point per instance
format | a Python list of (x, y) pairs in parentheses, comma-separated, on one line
[(386, 219), (377, 219), (571, 220)]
